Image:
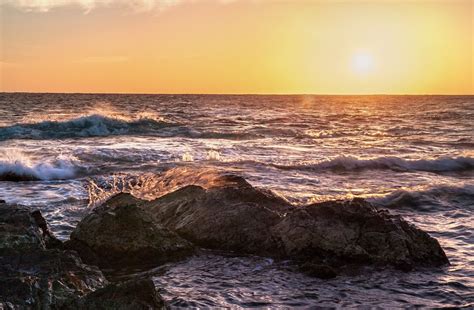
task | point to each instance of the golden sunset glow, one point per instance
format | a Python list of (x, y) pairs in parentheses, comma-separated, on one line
[(363, 62), (328, 47)]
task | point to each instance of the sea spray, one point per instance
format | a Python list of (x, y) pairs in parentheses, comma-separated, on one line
[(17, 166)]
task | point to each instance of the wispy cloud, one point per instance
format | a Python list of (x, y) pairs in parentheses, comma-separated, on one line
[(88, 5)]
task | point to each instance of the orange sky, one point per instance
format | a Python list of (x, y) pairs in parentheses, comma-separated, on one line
[(240, 46)]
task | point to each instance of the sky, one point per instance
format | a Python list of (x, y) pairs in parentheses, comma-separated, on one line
[(237, 46)]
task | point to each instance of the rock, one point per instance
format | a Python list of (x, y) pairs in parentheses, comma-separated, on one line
[(2, 201), (232, 217), (121, 234), (22, 229), (228, 214), (11, 176), (237, 217), (317, 270), (356, 232), (133, 294), (45, 278), (34, 271)]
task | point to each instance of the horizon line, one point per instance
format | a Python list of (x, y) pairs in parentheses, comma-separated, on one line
[(236, 94)]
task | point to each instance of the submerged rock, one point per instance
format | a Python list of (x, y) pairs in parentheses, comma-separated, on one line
[(120, 233), (318, 270), (15, 177)]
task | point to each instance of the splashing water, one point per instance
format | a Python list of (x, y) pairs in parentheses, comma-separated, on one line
[(16, 166)]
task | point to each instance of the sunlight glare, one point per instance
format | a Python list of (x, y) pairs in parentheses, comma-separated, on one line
[(362, 62)]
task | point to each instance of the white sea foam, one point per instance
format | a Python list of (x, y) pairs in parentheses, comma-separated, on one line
[(187, 157), (213, 155), (15, 165)]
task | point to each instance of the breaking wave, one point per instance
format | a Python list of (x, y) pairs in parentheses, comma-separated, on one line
[(16, 166), (350, 163), (98, 125), (84, 126), (438, 198)]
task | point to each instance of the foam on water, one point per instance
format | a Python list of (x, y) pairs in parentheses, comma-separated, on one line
[(16, 166)]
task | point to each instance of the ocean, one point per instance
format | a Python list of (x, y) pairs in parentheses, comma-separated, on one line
[(413, 155)]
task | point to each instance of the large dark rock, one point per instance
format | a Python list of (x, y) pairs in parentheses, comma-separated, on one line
[(23, 229), (121, 234), (34, 271), (355, 231), (235, 216), (229, 214), (232, 217), (133, 294), (45, 278)]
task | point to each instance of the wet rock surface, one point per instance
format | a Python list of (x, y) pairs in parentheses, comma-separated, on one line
[(45, 278), (240, 218), (121, 234), (356, 232), (37, 272), (233, 218), (34, 270), (132, 294)]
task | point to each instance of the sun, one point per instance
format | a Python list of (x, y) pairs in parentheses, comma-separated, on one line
[(362, 62)]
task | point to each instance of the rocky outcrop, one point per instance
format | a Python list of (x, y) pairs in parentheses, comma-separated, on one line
[(21, 229), (45, 278), (121, 234), (233, 216), (240, 218), (355, 232), (34, 271), (236, 217), (133, 294)]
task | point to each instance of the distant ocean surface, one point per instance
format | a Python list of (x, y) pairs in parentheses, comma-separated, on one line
[(413, 155)]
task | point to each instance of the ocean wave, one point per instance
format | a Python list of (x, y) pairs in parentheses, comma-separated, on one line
[(16, 166), (437, 198), (351, 163), (98, 125), (84, 126)]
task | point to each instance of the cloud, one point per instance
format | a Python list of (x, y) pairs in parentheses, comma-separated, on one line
[(88, 5)]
